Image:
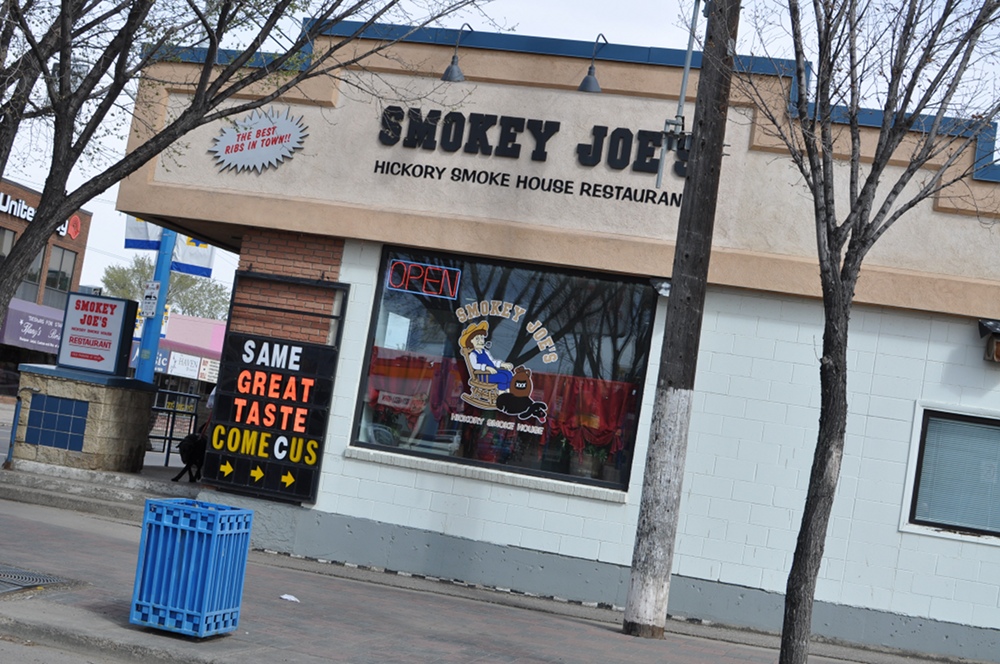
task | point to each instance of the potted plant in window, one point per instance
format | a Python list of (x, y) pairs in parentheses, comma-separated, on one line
[(589, 462)]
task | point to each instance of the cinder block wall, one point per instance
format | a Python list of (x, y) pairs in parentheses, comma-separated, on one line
[(754, 429)]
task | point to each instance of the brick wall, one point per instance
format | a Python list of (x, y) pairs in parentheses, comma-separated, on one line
[(283, 254), (292, 254)]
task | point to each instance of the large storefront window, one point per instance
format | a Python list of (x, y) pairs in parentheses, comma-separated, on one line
[(28, 288), (535, 369), (60, 277)]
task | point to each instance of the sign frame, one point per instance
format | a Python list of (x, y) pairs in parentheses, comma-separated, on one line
[(281, 460), (94, 330)]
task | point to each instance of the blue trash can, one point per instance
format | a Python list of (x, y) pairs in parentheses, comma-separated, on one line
[(192, 562)]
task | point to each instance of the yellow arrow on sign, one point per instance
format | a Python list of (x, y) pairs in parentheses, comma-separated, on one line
[(226, 469), (256, 474), (287, 479)]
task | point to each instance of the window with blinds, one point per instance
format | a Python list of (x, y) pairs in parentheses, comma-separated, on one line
[(956, 485)]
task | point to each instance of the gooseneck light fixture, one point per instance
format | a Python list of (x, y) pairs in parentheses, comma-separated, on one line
[(674, 136), (453, 74), (589, 83)]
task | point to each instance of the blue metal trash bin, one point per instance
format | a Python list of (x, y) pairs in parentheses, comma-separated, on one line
[(192, 562)]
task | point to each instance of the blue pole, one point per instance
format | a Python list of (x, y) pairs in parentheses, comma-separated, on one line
[(145, 366), (13, 433)]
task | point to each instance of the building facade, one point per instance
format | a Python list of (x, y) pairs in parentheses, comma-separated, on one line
[(30, 331), (444, 334)]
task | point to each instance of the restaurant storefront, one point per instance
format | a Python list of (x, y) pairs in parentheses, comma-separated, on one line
[(445, 330)]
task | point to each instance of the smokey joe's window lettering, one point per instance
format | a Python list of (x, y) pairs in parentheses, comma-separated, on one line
[(536, 370)]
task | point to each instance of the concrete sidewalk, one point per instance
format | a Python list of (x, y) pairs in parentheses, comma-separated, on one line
[(343, 614)]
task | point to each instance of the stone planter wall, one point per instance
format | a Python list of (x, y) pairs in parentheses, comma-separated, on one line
[(82, 420)]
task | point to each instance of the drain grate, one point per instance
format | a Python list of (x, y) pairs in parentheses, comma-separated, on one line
[(14, 578)]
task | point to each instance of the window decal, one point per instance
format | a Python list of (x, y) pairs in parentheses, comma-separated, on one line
[(535, 369), (496, 385)]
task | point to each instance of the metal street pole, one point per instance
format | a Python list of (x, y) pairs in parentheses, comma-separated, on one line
[(145, 367)]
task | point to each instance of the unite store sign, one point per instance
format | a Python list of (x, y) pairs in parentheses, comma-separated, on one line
[(271, 411)]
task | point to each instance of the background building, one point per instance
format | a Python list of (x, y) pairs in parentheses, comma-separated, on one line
[(30, 331)]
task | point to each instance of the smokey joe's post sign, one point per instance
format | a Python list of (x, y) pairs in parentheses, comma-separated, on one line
[(271, 410), (93, 330)]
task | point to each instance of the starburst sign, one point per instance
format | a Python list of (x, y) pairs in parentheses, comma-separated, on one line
[(259, 141)]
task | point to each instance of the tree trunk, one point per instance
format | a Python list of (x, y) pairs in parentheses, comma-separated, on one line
[(801, 588), (649, 584)]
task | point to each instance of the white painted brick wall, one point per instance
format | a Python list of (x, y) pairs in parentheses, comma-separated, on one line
[(752, 434), (897, 362)]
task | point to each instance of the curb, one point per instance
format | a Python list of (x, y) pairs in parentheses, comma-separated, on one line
[(85, 642)]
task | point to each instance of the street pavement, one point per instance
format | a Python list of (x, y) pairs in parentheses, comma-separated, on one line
[(343, 614), (305, 611)]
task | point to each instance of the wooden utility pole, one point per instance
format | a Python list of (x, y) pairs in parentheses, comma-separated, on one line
[(649, 586)]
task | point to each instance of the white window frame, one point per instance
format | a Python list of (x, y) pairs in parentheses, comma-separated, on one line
[(905, 525)]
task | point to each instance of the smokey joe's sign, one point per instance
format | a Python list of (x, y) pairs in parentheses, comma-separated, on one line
[(94, 328), (510, 138), (271, 410)]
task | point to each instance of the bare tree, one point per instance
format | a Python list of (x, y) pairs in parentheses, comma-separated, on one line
[(69, 64), (919, 64)]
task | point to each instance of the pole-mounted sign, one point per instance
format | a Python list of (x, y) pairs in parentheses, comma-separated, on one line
[(94, 328)]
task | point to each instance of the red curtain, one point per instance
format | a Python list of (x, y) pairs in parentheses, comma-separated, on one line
[(585, 411)]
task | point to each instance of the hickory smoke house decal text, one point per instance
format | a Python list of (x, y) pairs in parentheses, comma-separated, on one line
[(507, 136)]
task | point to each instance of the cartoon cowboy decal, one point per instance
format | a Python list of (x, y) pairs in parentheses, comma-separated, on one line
[(481, 360), (493, 384)]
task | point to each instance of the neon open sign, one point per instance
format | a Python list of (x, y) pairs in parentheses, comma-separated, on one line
[(424, 279)]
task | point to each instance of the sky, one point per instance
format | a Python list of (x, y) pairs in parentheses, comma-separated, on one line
[(660, 23)]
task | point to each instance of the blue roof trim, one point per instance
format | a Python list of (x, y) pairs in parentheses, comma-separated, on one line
[(871, 118), (223, 56), (514, 43), (986, 144), (985, 170), (984, 167), (569, 48)]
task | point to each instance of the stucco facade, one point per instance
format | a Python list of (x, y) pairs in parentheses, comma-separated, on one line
[(506, 180)]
